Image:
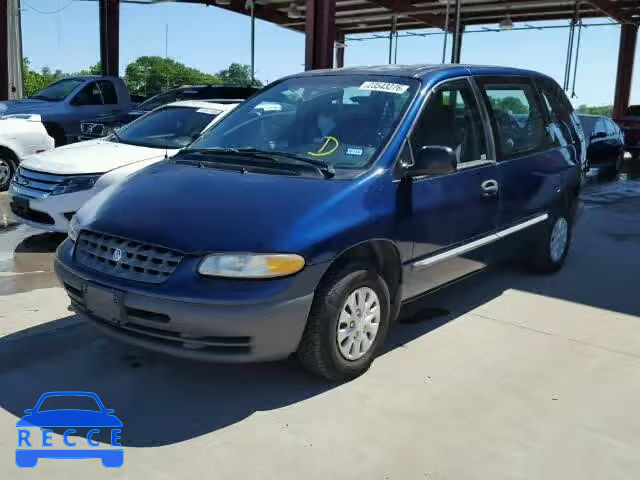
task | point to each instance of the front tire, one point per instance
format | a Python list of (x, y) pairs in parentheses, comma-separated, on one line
[(550, 251), (7, 170), (347, 324)]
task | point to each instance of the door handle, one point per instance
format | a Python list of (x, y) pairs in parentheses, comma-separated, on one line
[(489, 188)]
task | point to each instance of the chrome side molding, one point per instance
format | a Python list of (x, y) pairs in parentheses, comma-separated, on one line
[(481, 242)]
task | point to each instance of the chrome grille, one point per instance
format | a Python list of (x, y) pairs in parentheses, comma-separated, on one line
[(36, 184), (93, 130), (133, 260)]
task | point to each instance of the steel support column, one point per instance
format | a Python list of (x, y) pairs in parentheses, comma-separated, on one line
[(320, 26), (626, 54), (340, 46), (457, 35), (4, 51), (456, 51), (109, 36)]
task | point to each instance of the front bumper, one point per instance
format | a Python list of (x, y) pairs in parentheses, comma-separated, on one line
[(269, 329), (51, 211)]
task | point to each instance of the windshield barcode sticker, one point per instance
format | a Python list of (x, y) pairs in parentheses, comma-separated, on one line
[(210, 111), (396, 88)]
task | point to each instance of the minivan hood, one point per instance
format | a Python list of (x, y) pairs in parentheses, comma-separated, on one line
[(26, 105), (200, 210), (93, 156)]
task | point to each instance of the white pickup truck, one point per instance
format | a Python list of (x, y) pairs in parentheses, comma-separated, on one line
[(20, 136)]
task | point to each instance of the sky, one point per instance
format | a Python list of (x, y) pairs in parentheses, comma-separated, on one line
[(210, 38)]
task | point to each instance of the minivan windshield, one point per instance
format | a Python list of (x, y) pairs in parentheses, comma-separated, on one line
[(341, 120), (169, 127), (58, 91)]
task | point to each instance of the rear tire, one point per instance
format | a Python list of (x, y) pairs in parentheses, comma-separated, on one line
[(347, 324), (551, 249), (8, 167)]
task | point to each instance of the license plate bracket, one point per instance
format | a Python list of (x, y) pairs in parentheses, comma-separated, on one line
[(104, 303)]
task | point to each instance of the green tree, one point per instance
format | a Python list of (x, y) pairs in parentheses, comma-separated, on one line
[(92, 70), (35, 81), (511, 105), (146, 75), (606, 110), (238, 74), (151, 74)]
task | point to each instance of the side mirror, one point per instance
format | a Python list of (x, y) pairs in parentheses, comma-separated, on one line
[(433, 160)]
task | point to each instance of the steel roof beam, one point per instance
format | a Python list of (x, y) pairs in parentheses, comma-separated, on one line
[(612, 9), (405, 8)]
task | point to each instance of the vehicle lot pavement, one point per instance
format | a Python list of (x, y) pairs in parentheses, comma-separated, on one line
[(503, 376)]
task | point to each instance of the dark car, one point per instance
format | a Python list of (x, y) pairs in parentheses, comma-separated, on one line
[(105, 124), (305, 228), (605, 142)]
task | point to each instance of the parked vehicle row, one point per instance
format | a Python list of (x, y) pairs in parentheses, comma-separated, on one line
[(83, 108), (605, 143), (226, 94), (307, 216), (50, 187)]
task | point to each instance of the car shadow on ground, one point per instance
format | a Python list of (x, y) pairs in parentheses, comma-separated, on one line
[(162, 400)]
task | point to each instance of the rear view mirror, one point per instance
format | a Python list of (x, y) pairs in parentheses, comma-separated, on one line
[(433, 160)]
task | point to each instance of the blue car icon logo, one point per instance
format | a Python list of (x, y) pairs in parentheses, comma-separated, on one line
[(38, 443)]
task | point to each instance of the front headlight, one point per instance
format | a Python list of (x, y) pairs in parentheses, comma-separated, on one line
[(74, 228), (250, 265), (76, 183)]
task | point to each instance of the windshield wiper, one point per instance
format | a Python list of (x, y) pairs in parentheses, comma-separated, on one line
[(326, 169)]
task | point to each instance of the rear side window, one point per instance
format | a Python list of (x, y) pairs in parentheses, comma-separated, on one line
[(109, 94), (101, 92), (561, 111), (518, 120), (452, 118)]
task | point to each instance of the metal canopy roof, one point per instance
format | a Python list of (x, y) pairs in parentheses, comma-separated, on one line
[(363, 16)]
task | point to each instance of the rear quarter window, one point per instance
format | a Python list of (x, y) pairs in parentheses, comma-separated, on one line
[(518, 119), (561, 111)]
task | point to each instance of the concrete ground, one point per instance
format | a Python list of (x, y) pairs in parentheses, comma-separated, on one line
[(504, 376)]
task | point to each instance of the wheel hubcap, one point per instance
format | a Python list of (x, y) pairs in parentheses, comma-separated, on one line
[(5, 172), (358, 323), (559, 236)]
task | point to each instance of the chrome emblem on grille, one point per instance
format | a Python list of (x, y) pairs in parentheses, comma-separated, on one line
[(117, 255)]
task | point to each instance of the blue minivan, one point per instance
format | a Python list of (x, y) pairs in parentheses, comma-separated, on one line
[(306, 218)]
